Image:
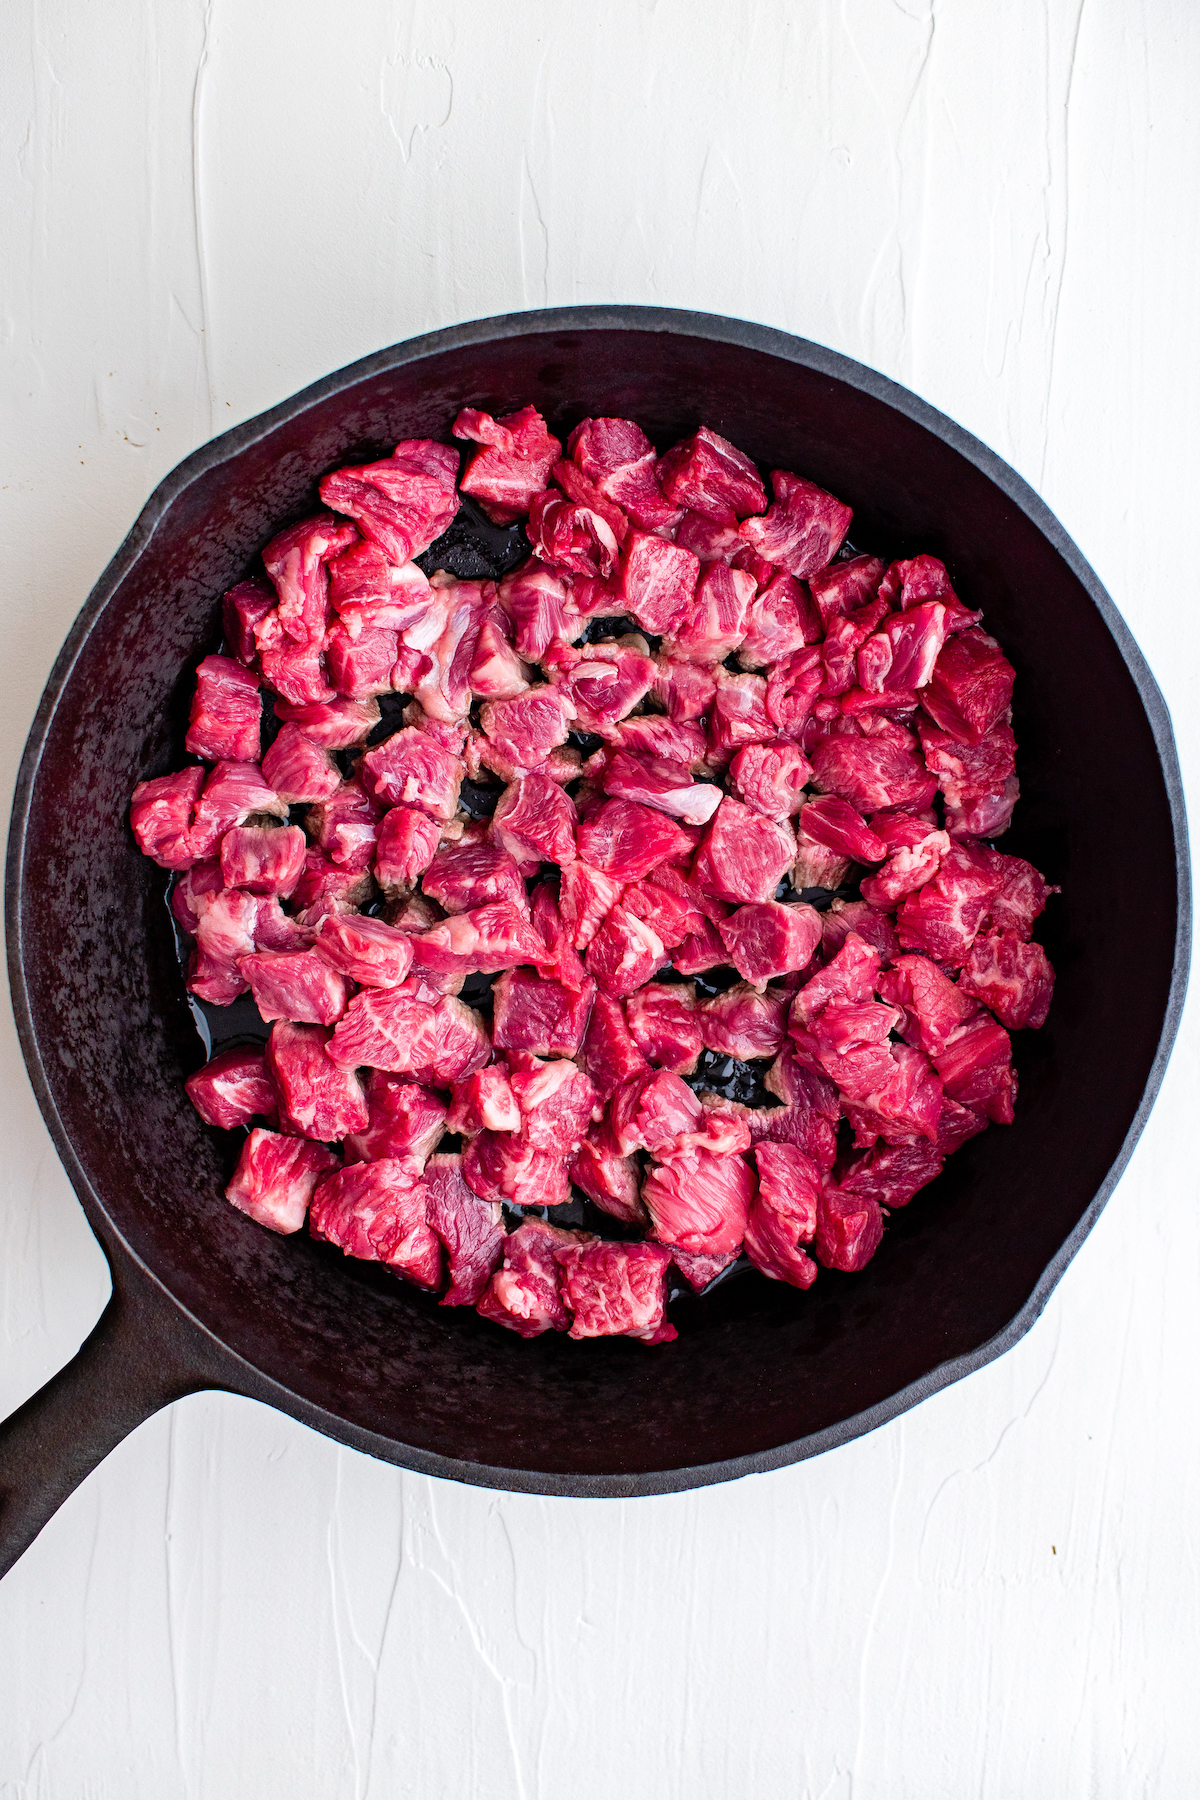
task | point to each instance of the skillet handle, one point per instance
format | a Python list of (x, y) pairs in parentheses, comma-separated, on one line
[(142, 1354)]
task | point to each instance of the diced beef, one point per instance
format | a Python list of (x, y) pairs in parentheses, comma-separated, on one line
[(744, 1023), (700, 1201), (784, 1214), (225, 931), (275, 1178), (226, 712), (263, 859), (650, 734), (363, 666), (685, 688), (874, 927), (738, 716), (376, 1210), (391, 1029), (366, 950), (715, 622), (412, 769), (605, 682), (232, 792), (782, 620), (325, 881), (792, 690), (835, 824), (470, 1229), (464, 876), (609, 1179), (744, 856), (609, 1054), (849, 975), (901, 655), (893, 1173), (657, 581), (402, 504), (816, 865), (971, 686), (699, 1271), (669, 917), (624, 953), (907, 1104), (556, 1101), (525, 1294), (483, 941), (317, 1099), (541, 1015), (346, 826), (707, 539), (767, 938), (975, 1064), (296, 560), (526, 729), (802, 530), (616, 1290), (232, 1088), (444, 688), (709, 475), (504, 1166), (944, 916), (663, 1109), (580, 538), (333, 724), (626, 840), (1012, 977), (876, 771), (843, 587), (907, 869), (369, 593), (295, 984), (298, 769), (560, 962), (513, 464), (849, 1230), (538, 601), (405, 847), (666, 786), (242, 608), (161, 814), (663, 1024), (1020, 898), (405, 1120), (957, 1125), (619, 459), (920, 580), (535, 821), (497, 672), (484, 1102)]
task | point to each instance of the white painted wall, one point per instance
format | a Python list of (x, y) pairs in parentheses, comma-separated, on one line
[(206, 206)]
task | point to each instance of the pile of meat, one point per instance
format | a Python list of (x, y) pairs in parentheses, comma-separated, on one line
[(701, 788)]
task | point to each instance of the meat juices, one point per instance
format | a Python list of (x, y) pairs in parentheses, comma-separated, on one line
[(620, 835)]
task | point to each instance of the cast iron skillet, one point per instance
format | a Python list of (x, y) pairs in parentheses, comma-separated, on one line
[(761, 1375)]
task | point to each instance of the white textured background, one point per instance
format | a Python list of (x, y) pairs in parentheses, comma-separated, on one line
[(206, 206)]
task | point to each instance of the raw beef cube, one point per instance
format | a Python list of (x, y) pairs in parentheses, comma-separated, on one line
[(403, 503), (363, 666), (802, 530), (346, 826), (225, 931), (849, 1041), (709, 475), (767, 938), (470, 1229), (513, 465), (537, 600), (738, 716), (842, 588), (263, 859), (651, 735), (617, 1290), (161, 813), (1012, 977), (971, 686), (663, 1024), (744, 856), (609, 1054), (360, 589), (907, 1104), (413, 769), (232, 1088), (1020, 897), (916, 641), (535, 821), (619, 459), (605, 682), (920, 580), (657, 581), (316, 1098), (665, 1110), (685, 688), (699, 905), (242, 609), (560, 961), (699, 1271), (296, 560), (625, 953), (702, 949), (781, 620), (391, 1029), (784, 1214), (874, 927), (538, 1014), (406, 845), (975, 1064), (609, 1179), (298, 769), (526, 729), (406, 1120), (444, 688), (578, 538), (871, 772), (666, 786), (366, 950), (850, 975), (296, 672), (464, 876), (669, 917), (483, 941), (817, 866), (325, 881), (700, 1201), (376, 1210), (497, 672), (943, 918), (275, 1178), (525, 1294), (295, 984), (556, 1101), (835, 824), (226, 712), (743, 1023), (484, 1102), (906, 870), (893, 1174), (849, 1230), (707, 539), (626, 840), (715, 622), (504, 1166), (333, 724), (792, 690), (192, 890)]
